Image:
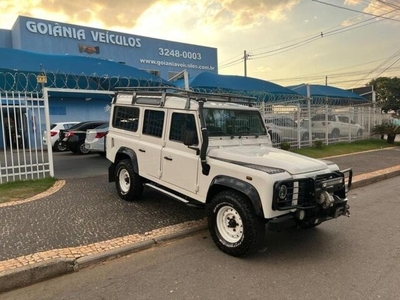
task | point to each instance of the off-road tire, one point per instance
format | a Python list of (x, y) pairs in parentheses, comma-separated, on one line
[(233, 224), (128, 183)]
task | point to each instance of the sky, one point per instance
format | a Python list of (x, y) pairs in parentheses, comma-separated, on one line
[(343, 43)]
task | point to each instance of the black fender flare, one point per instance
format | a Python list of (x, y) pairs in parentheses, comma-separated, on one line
[(243, 187), (123, 153)]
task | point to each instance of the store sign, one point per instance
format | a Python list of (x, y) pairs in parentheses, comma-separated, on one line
[(70, 32)]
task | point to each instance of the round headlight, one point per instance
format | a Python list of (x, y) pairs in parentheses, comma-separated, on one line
[(282, 192)]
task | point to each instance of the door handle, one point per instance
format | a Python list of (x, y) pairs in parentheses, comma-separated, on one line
[(142, 150), (167, 158)]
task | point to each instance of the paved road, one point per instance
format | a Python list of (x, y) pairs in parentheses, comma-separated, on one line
[(356, 258)]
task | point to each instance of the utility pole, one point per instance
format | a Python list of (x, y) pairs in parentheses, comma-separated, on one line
[(245, 56), (326, 80)]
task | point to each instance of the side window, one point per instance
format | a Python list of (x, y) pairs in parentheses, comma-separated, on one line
[(180, 123), (153, 123), (126, 118)]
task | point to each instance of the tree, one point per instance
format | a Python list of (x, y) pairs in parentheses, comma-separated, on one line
[(388, 92)]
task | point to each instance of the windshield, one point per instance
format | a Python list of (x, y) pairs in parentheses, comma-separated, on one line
[(231, 122)]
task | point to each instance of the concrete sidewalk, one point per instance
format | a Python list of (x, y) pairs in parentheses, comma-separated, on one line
[(67, 229)]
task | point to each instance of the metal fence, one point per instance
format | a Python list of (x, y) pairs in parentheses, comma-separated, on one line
[(24, 117), (23, 121), (301, 123)]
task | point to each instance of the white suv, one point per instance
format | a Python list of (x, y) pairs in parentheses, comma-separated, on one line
[(213, 150), (285, 129), (335, 126)]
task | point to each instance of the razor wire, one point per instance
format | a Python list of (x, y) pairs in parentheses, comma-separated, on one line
[(274, 98), (11, 80)]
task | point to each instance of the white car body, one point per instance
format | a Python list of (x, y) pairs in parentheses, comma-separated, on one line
[(55, 133), (335, 126), (285, 129), (95, 139)]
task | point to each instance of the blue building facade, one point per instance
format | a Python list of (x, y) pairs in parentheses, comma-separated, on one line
[(160, 57), (98, 57)]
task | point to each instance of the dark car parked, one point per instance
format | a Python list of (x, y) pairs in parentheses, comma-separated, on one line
[(74, 137)]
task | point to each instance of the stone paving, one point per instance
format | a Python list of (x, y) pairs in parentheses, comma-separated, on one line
[(82, 217), (85, 212)]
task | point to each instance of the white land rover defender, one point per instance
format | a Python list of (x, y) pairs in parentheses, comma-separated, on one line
[(214, 150)]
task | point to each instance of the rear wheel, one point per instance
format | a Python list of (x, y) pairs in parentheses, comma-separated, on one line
[(128, 183), (59, 147), (233, 225), (82, 149)]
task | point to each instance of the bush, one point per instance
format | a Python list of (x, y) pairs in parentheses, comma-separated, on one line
[(285, 146), (318, 144)]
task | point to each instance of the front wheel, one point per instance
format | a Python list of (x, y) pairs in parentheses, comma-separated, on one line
[(128, 183), (335, 134), (233, 224)]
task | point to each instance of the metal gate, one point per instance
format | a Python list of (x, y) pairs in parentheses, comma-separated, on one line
[(24, 117)]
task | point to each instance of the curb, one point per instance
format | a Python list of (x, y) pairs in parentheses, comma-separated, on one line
[(34, 273), (376, 176), (37, 272)]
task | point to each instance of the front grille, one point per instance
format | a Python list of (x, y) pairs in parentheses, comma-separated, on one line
[(302, 193), (299, 194)]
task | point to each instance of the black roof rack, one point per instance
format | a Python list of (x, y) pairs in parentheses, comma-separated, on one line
[(189, 94)]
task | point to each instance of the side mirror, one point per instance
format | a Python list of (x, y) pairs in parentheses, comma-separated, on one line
[(189, 138)]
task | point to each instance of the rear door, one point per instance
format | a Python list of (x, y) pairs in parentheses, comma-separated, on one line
[(151, 143)]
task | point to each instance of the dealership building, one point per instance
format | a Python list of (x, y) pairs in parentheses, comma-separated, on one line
[(70, 54), (160, 57)]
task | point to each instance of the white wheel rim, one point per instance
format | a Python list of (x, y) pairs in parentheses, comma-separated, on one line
[(229, 224), (124, 181)]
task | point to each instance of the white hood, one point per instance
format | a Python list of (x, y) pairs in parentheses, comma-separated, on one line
[(271, 157)]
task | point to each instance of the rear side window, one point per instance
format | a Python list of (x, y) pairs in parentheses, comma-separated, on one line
[(126, 118), (153, 122)]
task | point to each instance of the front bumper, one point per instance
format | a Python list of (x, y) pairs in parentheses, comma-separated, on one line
[(312, 200)]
